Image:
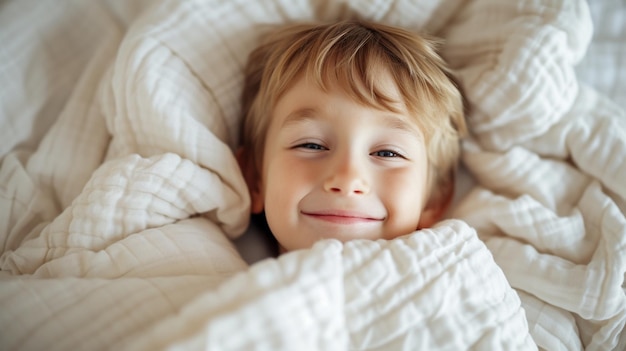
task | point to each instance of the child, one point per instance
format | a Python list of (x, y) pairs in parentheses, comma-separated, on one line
[(351, 130)]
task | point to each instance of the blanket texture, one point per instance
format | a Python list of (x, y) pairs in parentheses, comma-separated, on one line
[(120, 193)]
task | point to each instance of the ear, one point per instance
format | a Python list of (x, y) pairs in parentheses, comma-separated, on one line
[(437, 206), (250, 174)]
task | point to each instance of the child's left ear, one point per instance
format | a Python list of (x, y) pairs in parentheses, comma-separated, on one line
[(246, 164), (436, 207)]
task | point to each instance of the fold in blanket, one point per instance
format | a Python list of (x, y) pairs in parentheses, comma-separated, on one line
[(116, 229)]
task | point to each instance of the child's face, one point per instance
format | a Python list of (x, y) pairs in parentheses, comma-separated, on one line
[(335, 168)]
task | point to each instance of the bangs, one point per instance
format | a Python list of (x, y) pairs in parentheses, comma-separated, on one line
[(352, 60)]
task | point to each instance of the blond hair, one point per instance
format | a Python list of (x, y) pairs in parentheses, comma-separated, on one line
[(352, 54)]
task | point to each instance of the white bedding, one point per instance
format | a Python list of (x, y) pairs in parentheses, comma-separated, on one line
[(120, 195)]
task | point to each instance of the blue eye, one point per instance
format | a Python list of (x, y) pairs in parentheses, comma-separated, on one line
[(385, 153)]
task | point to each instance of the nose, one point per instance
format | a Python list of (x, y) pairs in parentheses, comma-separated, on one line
[(347, 176)]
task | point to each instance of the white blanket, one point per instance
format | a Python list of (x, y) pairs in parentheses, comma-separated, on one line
[(120, 193)]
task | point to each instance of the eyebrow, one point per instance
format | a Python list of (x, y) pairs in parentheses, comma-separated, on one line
[(391, 121), (395, 122), (399, 124), (300, 115)]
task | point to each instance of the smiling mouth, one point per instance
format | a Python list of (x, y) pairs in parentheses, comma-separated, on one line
[(342, 217)]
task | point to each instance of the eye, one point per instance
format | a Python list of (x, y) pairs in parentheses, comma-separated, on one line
[(386, 153), (311, 146)]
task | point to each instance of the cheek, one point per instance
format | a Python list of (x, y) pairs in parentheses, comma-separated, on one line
[(403, 196), (286, 184)]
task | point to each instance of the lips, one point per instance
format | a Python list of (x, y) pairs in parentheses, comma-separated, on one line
[(342, 216)]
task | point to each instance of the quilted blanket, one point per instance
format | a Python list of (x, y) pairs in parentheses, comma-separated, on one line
[(120, 196)]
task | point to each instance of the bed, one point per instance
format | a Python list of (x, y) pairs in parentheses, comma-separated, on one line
[(124, 220)]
